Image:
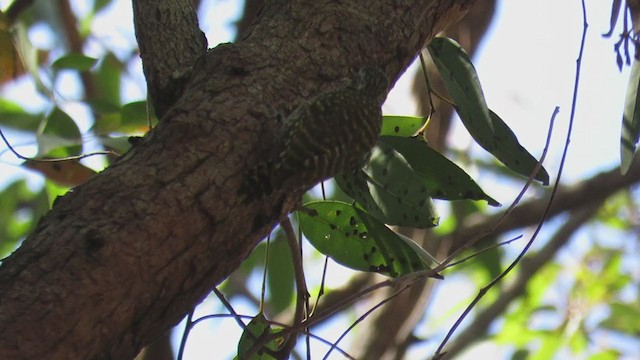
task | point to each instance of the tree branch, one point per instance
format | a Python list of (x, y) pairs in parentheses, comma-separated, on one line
[(583, 194), (123, 257), (527, 270), (170, 42)]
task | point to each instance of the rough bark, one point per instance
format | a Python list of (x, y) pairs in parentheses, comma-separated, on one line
[(167, 56), (123, 257)]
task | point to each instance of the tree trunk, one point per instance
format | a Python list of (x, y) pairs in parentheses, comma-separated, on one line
[(125, 256)]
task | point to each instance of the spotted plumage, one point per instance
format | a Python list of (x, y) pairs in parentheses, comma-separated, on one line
[(330, 134)]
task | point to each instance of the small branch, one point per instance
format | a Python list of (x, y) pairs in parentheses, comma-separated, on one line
[(187, 328), (170, 42), (76, 45), (301, 285), (586, 193), (66, 158), (530, 266), (439, 354)]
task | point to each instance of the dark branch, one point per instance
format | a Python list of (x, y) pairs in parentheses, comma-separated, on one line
[(583, 194), (528, 269), (123, 257), (170, 42)]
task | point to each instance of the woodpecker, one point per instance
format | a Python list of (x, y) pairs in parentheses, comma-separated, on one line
[(330, 134)]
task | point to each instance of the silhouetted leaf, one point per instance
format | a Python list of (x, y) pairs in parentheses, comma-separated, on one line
[(257, 328), (513, 155), (78, 62), (487, 129), (460, 78), (443, 179), (59, 136), (12, 115), (630, 119)]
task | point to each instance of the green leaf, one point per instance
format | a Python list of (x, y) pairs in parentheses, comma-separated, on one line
[(280, 275), (404, 126), (607, 354), (623, 318), (258, 328), (630, 119), (59, 136), (443, 179), (12, 115), (107, 81), (98, 5), (520, 354), (78, 62), (550, 343), (135, 117), (461, 80), (107, 122), (513, 155), (20, 210), (358, 241), (487, 129), (390, 190), (119, 144)]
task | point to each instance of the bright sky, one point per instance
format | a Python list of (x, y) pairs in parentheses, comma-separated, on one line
[(526, 65)]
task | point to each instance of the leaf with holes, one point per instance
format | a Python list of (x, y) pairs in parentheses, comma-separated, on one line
[(404, 126), (257, 329), (358, 241), (442, 178), (486, 128), (390, 190), (513, 155)]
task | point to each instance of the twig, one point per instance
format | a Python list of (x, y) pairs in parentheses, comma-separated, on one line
[(513, 205), (364, 316), (438, 354), (502, 243), (263, 290), (67, 158), (229, 308), (528, 269), (185, 334), (301, 285)]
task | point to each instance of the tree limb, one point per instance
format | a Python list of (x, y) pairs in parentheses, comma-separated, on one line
[(582, 194), (527, 270), (121, 258), (170, 42)]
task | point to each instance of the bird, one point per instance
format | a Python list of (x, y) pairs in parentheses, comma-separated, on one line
[(331, 133)]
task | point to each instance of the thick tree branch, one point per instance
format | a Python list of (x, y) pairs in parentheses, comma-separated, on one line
[(170, 42), (123, 257)]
